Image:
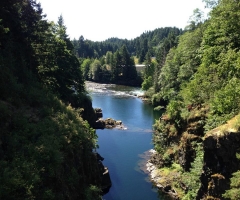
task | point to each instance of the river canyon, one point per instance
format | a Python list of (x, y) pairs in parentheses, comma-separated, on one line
[(125, 150)]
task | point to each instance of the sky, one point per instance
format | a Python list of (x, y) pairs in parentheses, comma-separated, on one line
[(98, 20)]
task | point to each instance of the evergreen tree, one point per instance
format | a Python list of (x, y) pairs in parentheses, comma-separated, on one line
[(46, 146)]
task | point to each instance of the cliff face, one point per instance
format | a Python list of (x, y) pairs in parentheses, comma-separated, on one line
[(221, 146), (202, 165)]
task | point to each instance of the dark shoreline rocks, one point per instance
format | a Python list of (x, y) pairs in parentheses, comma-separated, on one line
[(101, 123), (106, 182), (98, 113)]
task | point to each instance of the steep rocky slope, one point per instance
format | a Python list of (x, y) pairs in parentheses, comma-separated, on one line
[(221, 149), (193, 165)]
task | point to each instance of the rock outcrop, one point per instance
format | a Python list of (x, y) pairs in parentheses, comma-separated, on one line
[(220, 148), (209, 159), (109, 123)]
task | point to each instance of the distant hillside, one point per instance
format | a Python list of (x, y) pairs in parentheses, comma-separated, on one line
[(146, 42)]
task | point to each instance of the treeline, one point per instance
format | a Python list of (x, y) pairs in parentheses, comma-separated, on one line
[(46, 148), (198, 87), (114, 60), (115, 67), (139, 47)]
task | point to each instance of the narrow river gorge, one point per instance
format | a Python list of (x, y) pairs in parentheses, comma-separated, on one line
[(124, 150)]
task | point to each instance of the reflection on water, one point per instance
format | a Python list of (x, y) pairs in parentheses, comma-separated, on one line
[(122, 149)]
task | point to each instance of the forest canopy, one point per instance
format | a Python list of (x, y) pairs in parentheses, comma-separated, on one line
[(46, 147)]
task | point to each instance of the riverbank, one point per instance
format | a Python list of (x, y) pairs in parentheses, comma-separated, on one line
[(156, 178)]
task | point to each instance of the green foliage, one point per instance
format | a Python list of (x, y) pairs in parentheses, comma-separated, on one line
[(140, 46), (188, 53), (160, 137), (162, 51), (109, 57), (95, 72), (116, 68), (167, 159), (173, 110), (117, 55), (224, 105), (148, 73), (234, 192), (180, 64), (202, 71), (147, 83), (85, 67), (125, 65), (59, 68), (216, 80), (46, 148), (168, 76), (157, 99), (227, 99), (191, 179), (219, 53), (93, 193)]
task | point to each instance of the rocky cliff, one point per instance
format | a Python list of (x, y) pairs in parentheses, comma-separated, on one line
[(221, 147), (189, 164)]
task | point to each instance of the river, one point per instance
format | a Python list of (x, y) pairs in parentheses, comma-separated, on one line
[(124, 150)]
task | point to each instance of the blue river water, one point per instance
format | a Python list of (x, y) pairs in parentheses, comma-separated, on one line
[(123, 149)]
